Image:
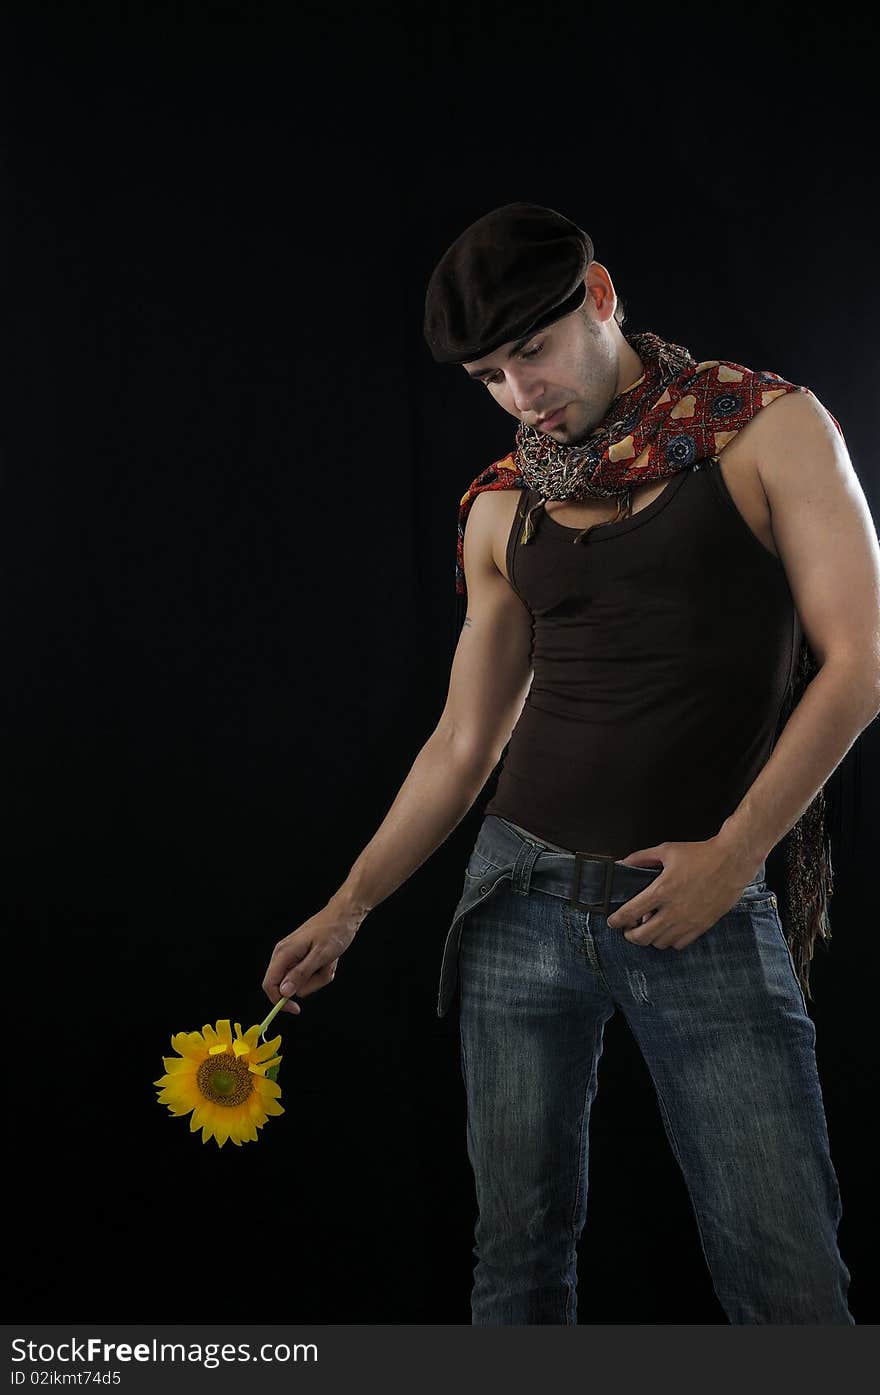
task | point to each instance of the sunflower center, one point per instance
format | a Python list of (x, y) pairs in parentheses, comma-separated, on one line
[(224, 1079)]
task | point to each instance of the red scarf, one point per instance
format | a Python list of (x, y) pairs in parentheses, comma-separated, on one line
[(677, 413)]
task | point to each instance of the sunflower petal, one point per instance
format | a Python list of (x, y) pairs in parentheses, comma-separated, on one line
[(175, 1064), (244, 1126), (189, 1044), (179, 1106), (183, 1084), (260, 1067), (169, 1093), (267, 1048), (224, 1030), (263, 1067), (267, 1087)]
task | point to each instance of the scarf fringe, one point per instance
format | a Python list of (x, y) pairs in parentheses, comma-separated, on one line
[(804, 915), (530, 525), (624, 510)]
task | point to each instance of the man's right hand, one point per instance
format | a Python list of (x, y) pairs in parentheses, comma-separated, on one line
[(306, 959)]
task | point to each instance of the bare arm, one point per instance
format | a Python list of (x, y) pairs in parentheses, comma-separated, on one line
[(827, 540), (490, 678)]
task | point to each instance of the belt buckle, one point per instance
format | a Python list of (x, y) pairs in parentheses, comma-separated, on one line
[(573, 900)]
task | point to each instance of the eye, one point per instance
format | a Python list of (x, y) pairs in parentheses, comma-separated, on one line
[(532, 353)]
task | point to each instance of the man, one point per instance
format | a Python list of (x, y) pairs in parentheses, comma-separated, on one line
[(631, 662)]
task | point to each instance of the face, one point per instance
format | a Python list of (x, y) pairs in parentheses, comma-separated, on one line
[(574, 364)]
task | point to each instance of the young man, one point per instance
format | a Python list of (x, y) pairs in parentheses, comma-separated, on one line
[(642, 574)]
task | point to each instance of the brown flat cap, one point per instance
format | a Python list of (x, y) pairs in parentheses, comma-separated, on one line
[(511, 273)]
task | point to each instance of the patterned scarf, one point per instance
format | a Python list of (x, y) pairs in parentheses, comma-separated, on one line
[(677, 414)]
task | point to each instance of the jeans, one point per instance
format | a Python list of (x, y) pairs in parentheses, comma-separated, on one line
[(724, 1030)]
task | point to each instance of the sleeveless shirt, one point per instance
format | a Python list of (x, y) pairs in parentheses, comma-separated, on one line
[(663, 647)]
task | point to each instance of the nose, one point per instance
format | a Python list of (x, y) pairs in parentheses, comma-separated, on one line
[(526, 395)]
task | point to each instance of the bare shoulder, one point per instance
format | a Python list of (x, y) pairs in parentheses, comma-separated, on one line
[(824, 531), (794, 426), (772, 456), (488, 525), (802, 459), (795, 411)]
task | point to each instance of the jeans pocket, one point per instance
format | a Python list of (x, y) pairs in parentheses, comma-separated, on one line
[(756, 898), (479, 867), (778, 930), (475, 892)]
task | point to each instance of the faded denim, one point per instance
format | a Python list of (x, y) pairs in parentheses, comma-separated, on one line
[(724, 1030)]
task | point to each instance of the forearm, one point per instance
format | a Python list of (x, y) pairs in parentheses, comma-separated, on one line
[(835, 708), (433, 799)]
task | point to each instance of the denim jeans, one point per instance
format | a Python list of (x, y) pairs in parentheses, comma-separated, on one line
[(724, 1030)]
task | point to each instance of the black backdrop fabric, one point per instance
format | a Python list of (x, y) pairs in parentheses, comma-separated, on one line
[(230, 480)]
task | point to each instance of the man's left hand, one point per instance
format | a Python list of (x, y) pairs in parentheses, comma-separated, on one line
[(698, 884)]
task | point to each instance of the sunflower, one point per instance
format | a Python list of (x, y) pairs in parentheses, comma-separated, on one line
[(225, 1081)]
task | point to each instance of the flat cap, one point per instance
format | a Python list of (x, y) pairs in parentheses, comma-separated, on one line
[(511, 273)]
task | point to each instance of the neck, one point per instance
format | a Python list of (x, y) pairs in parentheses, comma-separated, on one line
[(630, 367)]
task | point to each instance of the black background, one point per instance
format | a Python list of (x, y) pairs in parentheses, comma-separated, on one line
[(231, 473)]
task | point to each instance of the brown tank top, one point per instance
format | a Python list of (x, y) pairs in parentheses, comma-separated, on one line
[(663, 646)]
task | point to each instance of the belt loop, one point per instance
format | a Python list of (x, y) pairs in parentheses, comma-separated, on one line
[(521, 877)]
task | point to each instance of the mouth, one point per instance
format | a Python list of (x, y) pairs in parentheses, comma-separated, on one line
[(545, 423)]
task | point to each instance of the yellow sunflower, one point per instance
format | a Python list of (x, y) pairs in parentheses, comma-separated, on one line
[(225, 1081)]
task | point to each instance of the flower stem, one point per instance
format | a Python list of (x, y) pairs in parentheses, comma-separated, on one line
[(276, 1009)]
